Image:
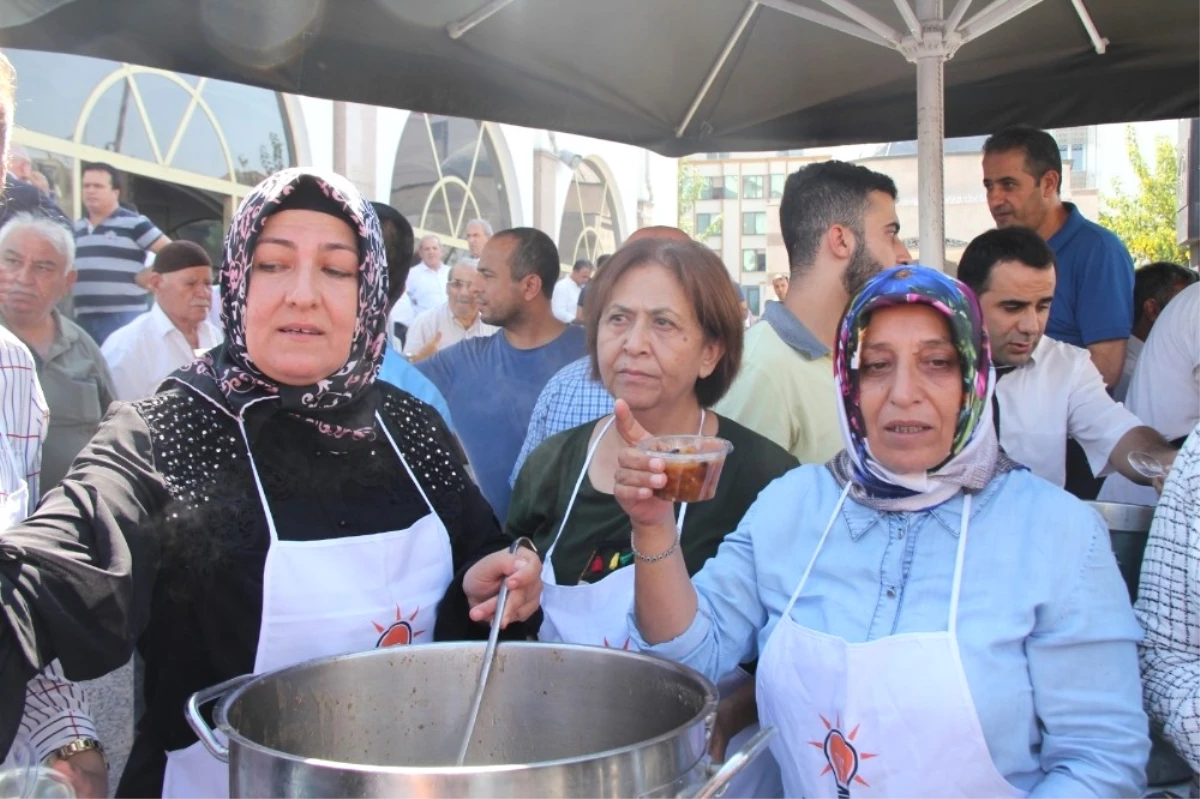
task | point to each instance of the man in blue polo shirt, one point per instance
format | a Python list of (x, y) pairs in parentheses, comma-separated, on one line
[(110, 256), (1093, 299), (492, 382)]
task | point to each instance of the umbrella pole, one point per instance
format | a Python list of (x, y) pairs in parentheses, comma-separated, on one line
[(931, 131)]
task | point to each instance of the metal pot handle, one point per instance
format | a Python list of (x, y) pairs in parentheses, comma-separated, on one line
[(196, 721), (734, 764)]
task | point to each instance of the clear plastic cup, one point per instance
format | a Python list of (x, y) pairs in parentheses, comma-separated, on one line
[(693, 465), (23, 777)]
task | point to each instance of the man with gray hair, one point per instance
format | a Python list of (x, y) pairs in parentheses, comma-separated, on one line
[(426, 286), (37, 270), (478, 231), (452, 321)]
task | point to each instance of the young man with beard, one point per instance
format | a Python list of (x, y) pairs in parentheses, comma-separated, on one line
[(840, 228)]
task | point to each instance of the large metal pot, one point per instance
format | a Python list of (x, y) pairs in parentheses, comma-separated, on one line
[(557, 720), (1128, 528)]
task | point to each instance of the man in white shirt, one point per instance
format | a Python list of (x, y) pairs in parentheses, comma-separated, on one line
[(1154, 285), (566, 291), (1165, 390), (452, 321), (426, 286), (1046, 390), (478, 232), (144, 352)]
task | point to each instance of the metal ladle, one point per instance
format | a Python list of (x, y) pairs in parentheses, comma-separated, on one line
[(489, 654), (1147, 465)]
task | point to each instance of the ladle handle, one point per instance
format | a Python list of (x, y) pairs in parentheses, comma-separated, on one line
[(205, 733), (734, 764), (489, 654)]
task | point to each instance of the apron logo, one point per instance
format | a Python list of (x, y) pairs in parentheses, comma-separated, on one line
[(625, 646), (841, 757), (399, 633)]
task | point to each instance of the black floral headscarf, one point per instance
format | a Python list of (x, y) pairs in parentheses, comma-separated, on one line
[(228, 376)]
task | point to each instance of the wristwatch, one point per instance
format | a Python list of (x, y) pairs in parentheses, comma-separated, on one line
[(73, 748)]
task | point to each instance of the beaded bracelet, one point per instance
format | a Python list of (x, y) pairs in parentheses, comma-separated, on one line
[(654, 558)]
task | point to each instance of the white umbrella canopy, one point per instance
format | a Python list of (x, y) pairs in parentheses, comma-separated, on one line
[(677, 76)]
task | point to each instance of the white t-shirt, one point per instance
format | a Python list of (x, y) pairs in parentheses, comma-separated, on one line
[(1165, 390), (426, 288), (565, 300), (144, 352), (1059, 392)]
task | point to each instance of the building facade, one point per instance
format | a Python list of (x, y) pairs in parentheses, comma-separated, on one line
[(735, 209), (190, 148)]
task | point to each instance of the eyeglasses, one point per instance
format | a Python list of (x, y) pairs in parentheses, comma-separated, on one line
[(459, 285)]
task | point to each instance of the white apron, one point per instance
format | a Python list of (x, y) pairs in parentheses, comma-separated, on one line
[(891, 717), (597, 614), (331, 597)]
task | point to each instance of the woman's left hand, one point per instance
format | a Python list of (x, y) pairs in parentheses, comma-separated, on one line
[(482, 582)]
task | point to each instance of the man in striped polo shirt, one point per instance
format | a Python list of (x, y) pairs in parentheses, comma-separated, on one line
[(110, 256)]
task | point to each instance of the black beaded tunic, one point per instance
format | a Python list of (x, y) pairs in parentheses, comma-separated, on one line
[(169, 474)]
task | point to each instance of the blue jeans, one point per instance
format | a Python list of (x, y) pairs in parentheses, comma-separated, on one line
[(101, 325)]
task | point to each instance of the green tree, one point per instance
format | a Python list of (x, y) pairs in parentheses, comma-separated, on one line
[(690, 187), (1145, 217)]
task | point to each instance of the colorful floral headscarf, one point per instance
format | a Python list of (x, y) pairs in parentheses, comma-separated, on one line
[(974, 454), (228, 376)]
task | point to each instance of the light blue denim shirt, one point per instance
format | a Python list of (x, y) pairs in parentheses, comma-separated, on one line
[(1046, 631)]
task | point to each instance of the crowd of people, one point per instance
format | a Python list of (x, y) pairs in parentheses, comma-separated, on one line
[(896, 571)]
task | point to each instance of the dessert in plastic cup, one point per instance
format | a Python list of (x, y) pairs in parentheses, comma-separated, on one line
[(693, 465)]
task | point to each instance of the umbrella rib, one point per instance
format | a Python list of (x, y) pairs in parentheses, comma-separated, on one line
[(455, 30), (869, 22), (1098, 41), (993, 16), (730, 43), (828, 20), (910, 19), (960, 10)]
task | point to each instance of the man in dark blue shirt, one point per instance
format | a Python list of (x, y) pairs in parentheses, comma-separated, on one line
[(492, 382), (1093, 299)]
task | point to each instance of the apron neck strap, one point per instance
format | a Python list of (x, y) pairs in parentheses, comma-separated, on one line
[(820, 544), (578, 482), (956, 590), (956, 587), (587, 461), (262, 493)]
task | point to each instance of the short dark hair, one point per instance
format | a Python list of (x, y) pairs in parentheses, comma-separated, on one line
[(601, 260), (100, 166), (8, 88), (398, 245), (821, 195), (534, 254), (1155, 281), (582, 263), (705, 283), (1041, 150), (996, 246)]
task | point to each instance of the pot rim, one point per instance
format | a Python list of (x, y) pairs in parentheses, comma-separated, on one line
[(705, 716)]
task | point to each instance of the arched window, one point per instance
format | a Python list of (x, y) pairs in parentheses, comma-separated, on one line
[(448, 172), (589, 226), (210, 128)]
